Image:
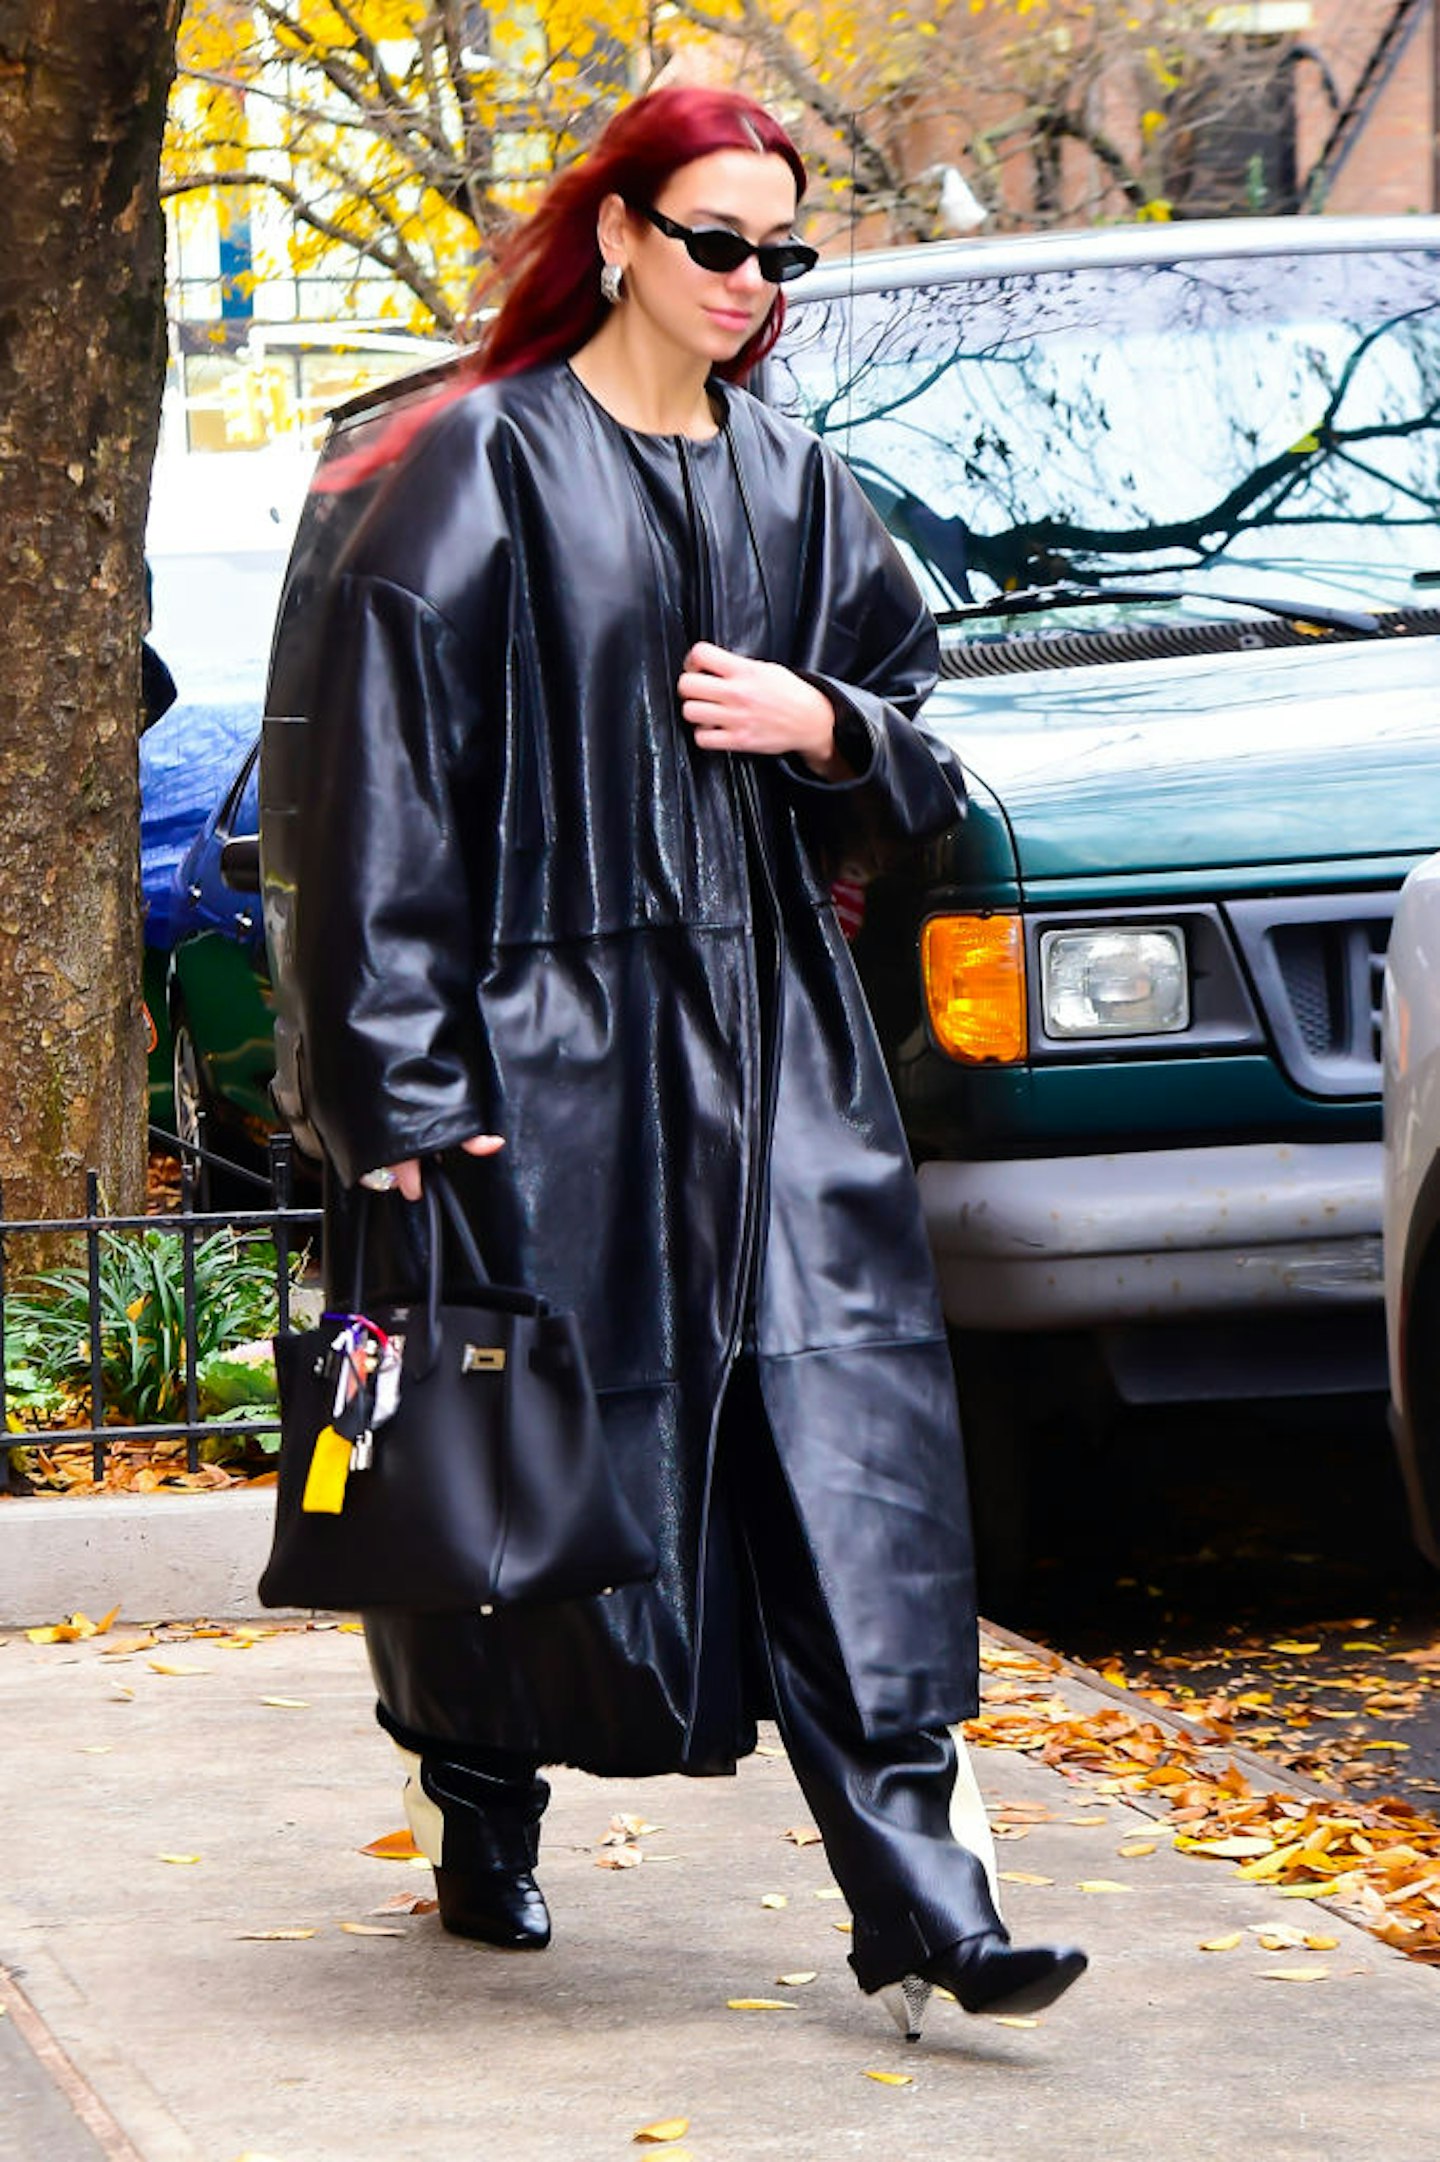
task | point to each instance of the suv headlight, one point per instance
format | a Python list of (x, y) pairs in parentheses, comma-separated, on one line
[(1112, 981)]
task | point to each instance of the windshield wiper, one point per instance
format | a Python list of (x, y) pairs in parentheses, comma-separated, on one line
[(1037, 600)]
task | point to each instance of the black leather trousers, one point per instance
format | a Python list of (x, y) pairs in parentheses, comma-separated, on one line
[(881, 1807)]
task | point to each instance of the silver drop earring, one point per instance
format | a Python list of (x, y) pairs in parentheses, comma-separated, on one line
[(610, 278)]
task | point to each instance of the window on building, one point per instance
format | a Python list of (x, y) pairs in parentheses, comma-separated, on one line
[(1231, 140)]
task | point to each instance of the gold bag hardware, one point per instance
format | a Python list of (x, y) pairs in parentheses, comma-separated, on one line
[(483, 1359)]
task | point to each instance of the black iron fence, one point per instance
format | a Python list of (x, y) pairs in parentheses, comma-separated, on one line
[(286, 1226)]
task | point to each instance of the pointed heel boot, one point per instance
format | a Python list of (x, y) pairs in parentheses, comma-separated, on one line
[(985, 1973)]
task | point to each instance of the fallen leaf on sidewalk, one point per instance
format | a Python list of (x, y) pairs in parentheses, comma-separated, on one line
[(274, 1936), (1001, 1659), (803, 1835), (1226, 1944), (667, 2129), (393, 1847), (774, 1900), (1135, 1848), (621, 1829), (1296, 1651), (829, 1891), (1012, 2019), (796, 1981), (75, 1629), (126, 1647), (759, 2004), (768, 1749), (1294, 1974), (406, 1903), (1228, 1850), (892, 2079), (1343, 1887), (182, 1861), (287, 1704), (1023, 1876), (619, 1858), (846, 1929), (1100, 1884), (369, 1929), (162, 1666)]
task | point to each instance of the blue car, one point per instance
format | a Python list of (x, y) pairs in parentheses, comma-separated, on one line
[(219, 537)]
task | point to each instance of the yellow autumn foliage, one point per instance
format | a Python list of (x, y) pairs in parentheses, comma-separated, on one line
[(388, 146)]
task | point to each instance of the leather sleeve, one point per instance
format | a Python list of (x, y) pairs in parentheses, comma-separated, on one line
[(385, 942), (871, 646)]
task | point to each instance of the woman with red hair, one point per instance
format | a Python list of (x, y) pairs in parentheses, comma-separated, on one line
[(613, 668)]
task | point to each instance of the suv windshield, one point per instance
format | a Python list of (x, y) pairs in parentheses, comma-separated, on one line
[(1265, 425)]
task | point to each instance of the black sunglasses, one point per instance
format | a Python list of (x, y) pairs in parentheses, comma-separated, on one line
[(715, 247)]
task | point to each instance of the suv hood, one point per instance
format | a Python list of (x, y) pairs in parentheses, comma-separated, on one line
[(1283, 756)]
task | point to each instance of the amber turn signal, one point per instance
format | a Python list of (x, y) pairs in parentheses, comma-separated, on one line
[(974, 973)]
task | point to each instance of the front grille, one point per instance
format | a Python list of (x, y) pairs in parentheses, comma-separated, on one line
[(1317, 966)]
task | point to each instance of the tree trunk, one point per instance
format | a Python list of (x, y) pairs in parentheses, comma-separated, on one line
[(83, 85)]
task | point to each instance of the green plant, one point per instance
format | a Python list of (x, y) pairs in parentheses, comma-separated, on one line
[(32, 1396), (238, 1383), (142, 1317)]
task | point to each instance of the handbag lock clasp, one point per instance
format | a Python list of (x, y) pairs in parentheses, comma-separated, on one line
[(483, 1359)]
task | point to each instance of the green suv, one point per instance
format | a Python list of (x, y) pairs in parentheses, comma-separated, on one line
[(1174, 495)]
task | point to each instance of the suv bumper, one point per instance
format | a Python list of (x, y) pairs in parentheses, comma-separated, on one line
[(1066, 1242)]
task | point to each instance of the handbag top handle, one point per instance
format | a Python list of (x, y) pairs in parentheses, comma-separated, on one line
[(436, 1184), (437, 1193)]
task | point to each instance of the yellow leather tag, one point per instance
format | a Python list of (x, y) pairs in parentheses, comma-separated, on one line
[(329, 1469)]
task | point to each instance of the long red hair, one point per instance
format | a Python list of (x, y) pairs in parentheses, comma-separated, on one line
[(550, 269)]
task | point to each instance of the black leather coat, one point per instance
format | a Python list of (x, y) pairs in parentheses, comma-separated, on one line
[(527, 904)]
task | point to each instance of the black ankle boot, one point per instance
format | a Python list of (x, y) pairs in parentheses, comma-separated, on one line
[(501, 1907), (485, 1881), (985, 1973)]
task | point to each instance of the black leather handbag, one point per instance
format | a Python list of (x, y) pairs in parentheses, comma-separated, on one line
[(486, 1484)]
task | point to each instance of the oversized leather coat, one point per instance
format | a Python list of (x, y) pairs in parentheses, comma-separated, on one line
[(527, 904)]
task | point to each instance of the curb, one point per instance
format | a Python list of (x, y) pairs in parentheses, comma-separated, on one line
[(47, 2098), (154, 1556)]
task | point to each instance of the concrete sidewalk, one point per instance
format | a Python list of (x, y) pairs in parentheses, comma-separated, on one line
[(260, 1773)]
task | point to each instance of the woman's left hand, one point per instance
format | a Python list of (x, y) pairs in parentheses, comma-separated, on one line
[(736, 704)]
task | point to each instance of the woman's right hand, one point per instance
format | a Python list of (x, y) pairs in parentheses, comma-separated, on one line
[(406, 1175)]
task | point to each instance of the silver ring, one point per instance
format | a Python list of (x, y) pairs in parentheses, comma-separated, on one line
[(379, 1182)]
